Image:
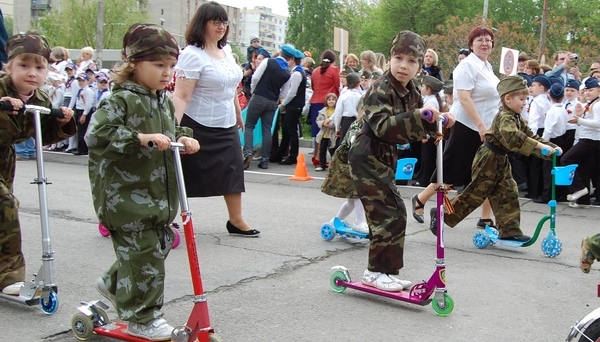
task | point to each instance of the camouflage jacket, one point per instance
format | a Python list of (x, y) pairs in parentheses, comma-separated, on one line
[(510, 132), (392, 116), (133, 186), (18, 128)]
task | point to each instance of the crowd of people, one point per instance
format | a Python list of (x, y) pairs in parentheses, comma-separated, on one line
[(359, 113)]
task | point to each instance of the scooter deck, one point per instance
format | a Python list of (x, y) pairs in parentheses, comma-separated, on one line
[(344, 230), (404, 295), (117, 330), (493, 235)]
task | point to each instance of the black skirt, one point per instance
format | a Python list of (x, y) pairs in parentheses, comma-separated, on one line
[(218, 167)]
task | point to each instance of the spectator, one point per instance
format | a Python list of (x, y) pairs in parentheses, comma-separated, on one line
[(368, 62), (87, 60), (351, 63), (430, 65), (565, 66), (462, 54), (521, 62), (532, 68), (60, 57)]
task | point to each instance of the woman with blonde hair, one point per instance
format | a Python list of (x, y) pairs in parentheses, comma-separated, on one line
[(351, 63), (532, 67), (430, 65), (368, 61)]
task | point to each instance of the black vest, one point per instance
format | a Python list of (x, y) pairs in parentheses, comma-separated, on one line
[(271, 81), (300, 99)]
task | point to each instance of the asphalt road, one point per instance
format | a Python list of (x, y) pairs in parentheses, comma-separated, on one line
[(276, 287)]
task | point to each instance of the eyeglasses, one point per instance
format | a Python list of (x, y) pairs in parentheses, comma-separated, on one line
[(219, 23), (481, 41)]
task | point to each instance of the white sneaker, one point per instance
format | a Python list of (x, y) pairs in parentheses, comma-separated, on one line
[(579, 206), (13, 289), (577, 194), (103, 289), (381, 281), (318, 168), (406, 284), (362, 227), (156, 330)]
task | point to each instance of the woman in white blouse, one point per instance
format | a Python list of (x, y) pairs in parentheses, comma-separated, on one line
[(476, 102), (205, 100)]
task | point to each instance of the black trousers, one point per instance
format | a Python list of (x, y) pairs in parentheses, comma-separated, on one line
[(289, 133), (81, 130), (535, 180), (584, 153)]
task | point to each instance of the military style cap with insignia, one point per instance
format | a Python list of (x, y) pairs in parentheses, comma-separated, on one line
[(148, 42), (29, 42), (353, 77), (510, 84), (575, 84), (592, 82), (433, 83), (409, 43)]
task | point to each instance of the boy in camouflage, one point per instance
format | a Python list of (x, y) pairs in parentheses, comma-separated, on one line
[(134, 186), (491, 175), (26, 72), (391, 110), (590, 251)]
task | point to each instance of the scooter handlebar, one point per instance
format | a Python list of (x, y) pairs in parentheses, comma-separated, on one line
[(54, 112), (173, 145), (545, 152), (428, 115)]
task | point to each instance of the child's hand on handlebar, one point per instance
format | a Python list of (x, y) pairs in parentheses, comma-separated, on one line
[(16, 103), (161, 141), (548, 148), (68, 115), (435, 112), (451, 119), (191, 145)]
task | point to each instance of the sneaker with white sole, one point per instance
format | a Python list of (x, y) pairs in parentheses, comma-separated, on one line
[(406, 284), (362, 227), (103, 290), (13, 289), (577, 194), (156, 330), (579, 206), (381, 281)]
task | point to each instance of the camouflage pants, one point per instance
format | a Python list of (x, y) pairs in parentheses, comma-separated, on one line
[(12, 262), (491, 178), (384, 209), (138, 276), (593, 242)]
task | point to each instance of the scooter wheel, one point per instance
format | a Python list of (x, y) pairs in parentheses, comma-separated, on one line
[(551, 247), (591, 333), (327, 231), (335, 277), (177, 239), (51, 305), (481, 240), (103, 231), (82, 326), (448, 306), (103, 315)]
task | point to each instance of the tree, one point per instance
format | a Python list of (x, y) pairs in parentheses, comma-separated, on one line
[(352, 15), (75, 25), (310, 25)]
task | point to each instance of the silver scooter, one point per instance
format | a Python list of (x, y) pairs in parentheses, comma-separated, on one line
[(42, 289), (587, 328)]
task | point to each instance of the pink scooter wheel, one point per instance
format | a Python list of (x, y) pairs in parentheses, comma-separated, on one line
[(103, 231), (177, 239)]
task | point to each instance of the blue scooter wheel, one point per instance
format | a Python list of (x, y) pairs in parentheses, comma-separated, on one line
[(551, 247), (327, 231), (51, 305), (481, 240)]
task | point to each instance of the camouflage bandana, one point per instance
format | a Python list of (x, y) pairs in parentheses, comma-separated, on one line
[(148, 42), (27, 43), (409, 43)]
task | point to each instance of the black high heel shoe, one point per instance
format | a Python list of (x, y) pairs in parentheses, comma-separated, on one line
[(236, 231)]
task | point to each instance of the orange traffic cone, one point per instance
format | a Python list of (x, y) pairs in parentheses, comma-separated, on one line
[(301, 174)]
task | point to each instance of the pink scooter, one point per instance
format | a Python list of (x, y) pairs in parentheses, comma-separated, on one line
[(432, 291)]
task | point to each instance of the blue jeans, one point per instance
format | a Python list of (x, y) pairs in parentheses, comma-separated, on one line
[(264, 109), (26, 149)]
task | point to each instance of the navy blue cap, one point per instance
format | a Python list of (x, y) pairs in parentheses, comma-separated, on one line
[(83, 76), (557, 91), (592, 82), (575, 84), (557, 79), (70, 66), (543, 80), (527, 78)]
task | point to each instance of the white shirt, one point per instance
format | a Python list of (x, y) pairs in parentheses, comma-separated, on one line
[(85, 100), (537, 112), (525, 111), (58, 96), (477, 76), (346, 106), (555, 123), (431, 100), (211, 103), (570, 108), (589, 124)]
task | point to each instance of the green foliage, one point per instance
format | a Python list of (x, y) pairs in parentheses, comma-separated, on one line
[(75, 25), (310, 25), (8, 23)]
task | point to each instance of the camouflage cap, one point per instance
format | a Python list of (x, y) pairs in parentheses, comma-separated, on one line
[(433, 83), (510, 84), (27, 43), (409, 43), (148, 42)]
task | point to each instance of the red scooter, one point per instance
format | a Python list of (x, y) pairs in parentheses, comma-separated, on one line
[(93, 319)]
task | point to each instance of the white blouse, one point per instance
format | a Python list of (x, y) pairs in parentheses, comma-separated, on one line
[(477, 76), (211, 103)]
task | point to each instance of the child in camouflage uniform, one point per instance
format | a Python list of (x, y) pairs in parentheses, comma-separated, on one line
[(26, 72), (133, 186), (590, 251), (391, 110), (491, 175)]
